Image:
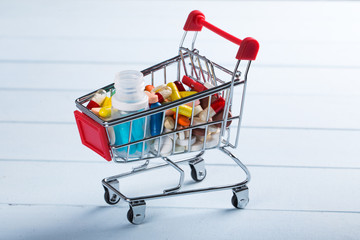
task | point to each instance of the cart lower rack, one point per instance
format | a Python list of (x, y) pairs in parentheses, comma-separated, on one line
[(206, 117)]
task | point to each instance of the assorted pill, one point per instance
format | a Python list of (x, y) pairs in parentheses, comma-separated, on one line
[(197, 146), (158, 88), (219, 116), (193, 85), (215, 108), (100, 104), (97, 99), (163, 94), (182, 120), (187, 93), (185, 142), (155, 121), (153, 98), (179, 86), (166, 145), (96, 110), (106, 102), (194, 103), (184, 110), (169, 123), (175, 95), (149, 88), (198, 111), (105, 112)]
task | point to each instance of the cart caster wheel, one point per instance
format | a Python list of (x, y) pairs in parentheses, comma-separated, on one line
[(114, 199), (109, 196), (198, 170), (136, 213), (197, 176), (240, 197), (130, 215)]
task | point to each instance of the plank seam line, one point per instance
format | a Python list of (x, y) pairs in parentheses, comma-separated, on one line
[(180, 207), (244, 126), (46, 89), (263, 94), (44, 61), (207, 164)]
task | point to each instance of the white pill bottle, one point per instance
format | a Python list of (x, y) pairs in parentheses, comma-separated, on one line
[(130, 98)]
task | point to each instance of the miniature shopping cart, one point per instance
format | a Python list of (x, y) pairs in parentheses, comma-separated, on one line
[(221, 133)]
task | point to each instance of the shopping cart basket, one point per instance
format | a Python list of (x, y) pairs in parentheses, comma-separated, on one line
[(221, 133)]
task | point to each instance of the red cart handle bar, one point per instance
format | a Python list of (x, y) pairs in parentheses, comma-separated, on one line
[(249, 47)]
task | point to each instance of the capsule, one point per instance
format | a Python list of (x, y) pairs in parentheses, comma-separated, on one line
[(182, 120), (97, 99), (175, 95), (155, 121), (158, 88), (215, 107), (194, 85), (152, 97), (106, 102), (197, 110), (163, 94), (197, 86), (186, 93), (105, 112), (184, 110), (179, 86)]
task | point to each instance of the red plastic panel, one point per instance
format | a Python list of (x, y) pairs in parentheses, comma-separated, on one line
[(248, 49), (93, 135)]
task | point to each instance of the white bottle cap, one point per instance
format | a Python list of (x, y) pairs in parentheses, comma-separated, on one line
[(130, 95)]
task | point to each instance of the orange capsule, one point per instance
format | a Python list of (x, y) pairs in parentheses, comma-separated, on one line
[(182, 120)]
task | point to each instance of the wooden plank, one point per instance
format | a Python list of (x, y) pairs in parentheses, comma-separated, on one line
[(262, 80), (260, 110), (287, 19), (278, 147), (62, 44), (290, 189), (70, 222), (134, 51), (60, 77), (295, 190)]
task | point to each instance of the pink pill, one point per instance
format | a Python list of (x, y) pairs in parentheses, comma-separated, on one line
[(153, 98), (169, 112), (190, 104)]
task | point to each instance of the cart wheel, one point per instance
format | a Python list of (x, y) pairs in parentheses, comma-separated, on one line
[(243, 195), (114, 199), (130, 215), (136, 213), (197, 177)]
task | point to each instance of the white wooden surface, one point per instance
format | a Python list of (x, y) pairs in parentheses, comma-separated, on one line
[(300, 135)]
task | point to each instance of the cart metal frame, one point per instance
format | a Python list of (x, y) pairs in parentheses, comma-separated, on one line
[(199, 68)]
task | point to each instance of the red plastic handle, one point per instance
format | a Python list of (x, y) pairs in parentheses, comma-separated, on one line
[(249, 47)]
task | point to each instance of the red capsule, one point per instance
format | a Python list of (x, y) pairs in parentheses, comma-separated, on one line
[(179, 86), (215, 107), (194, 85), (92, 104)]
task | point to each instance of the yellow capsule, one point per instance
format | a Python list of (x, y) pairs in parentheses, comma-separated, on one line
[(186, 93), (107, 102), (105, 112), (184, 110), (175, 95)]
